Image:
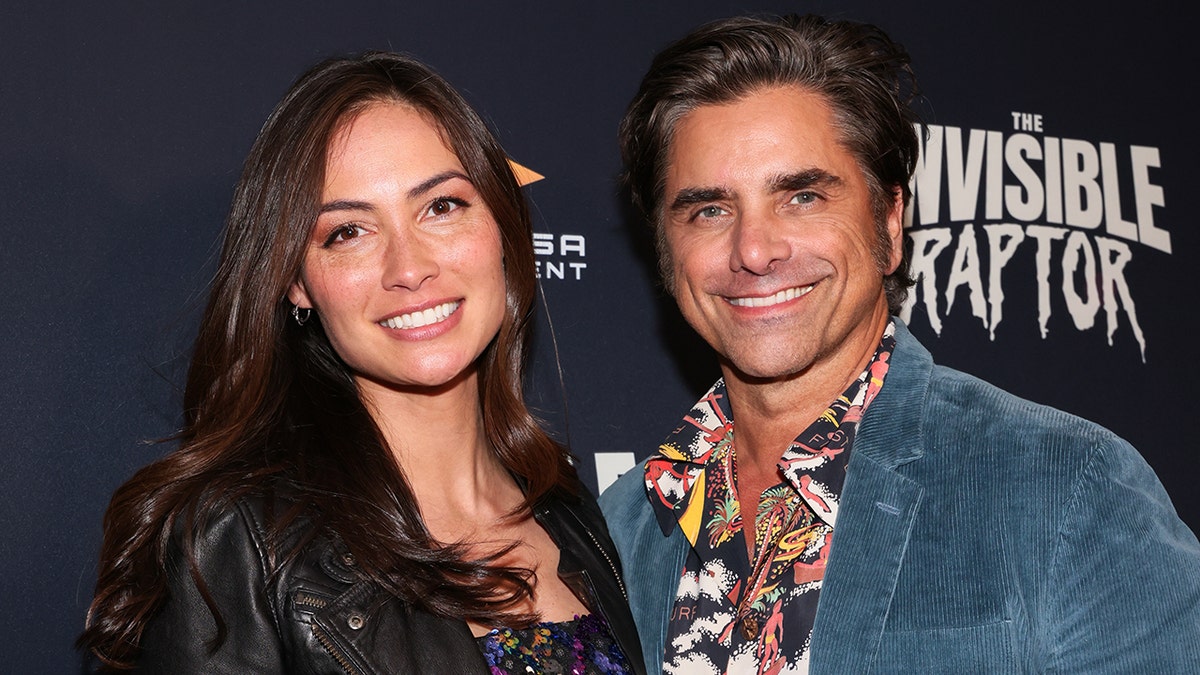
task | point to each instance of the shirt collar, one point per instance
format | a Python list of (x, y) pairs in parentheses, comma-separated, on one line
[(675, 477)]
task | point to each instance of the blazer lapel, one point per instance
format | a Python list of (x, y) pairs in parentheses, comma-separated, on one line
[(876, 517)]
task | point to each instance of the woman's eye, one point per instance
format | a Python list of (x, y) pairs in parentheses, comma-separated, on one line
[(343, 233), (444, 205)]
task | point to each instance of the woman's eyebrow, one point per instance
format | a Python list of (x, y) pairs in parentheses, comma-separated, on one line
[(434, 181)]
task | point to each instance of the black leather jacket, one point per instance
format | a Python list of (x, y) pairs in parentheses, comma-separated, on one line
[(315, 614)]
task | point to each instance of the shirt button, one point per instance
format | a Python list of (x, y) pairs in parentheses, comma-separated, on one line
[(355, 621), (749, 628)]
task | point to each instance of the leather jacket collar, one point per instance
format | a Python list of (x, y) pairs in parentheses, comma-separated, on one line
[(315, 614)]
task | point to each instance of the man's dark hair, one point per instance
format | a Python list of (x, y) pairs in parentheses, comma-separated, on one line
[(862, 75)]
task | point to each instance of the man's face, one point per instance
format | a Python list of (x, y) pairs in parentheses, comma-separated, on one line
[(774, 250)]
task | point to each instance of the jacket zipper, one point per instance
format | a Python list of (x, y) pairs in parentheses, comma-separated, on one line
[(310, 601), (313, 602), (611, 566)]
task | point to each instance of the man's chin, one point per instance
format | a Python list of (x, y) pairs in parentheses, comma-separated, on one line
[(763, 370)]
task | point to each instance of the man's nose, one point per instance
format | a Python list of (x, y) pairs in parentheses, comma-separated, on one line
[(758, 242)]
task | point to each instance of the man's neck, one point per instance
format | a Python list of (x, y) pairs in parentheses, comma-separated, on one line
[(770, 413)]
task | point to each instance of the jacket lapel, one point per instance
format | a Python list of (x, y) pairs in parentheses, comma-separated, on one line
[(879, 508), (878, 511)]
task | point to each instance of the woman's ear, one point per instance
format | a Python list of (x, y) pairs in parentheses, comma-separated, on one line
[(298, 295)]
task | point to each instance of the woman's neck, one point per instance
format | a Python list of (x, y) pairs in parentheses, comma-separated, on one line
[(438, 440)]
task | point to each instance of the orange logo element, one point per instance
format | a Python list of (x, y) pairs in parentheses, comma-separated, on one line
[(524, 175)]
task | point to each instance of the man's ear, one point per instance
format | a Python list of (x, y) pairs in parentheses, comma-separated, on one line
[(895, 230), (298, 295)]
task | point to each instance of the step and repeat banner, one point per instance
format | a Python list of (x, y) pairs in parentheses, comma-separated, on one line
[(1053, 227)]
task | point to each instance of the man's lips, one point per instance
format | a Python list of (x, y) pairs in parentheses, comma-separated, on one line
[(423, 317), (769, 300)]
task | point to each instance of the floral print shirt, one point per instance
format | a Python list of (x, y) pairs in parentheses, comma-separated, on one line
[(733, 614)]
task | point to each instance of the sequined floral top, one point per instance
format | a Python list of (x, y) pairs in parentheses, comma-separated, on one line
[(582, 646)]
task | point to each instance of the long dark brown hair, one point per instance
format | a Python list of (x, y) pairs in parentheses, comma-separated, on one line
[(270, 403)]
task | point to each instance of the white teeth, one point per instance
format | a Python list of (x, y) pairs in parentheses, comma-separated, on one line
[(436, 314), (782, 296)]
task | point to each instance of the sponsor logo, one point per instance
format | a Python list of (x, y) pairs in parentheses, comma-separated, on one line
[(560, 256)]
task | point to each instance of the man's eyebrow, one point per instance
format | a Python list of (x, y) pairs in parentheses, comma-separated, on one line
[(414, 193), (801, 180), (690, 196)]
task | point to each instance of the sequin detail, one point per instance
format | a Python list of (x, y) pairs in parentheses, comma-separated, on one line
[(582, 646)]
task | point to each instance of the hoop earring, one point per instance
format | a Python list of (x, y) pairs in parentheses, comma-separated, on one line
[(301, 319)]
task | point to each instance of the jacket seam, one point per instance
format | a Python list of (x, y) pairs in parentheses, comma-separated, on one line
[(257, 533), (1052, 650)]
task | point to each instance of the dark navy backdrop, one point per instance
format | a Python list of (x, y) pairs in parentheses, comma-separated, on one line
[(122, 130)]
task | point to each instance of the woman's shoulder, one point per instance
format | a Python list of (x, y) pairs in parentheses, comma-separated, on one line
[(228, 566), (255, 527)]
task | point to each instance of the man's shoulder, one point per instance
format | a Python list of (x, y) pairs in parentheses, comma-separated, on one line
[(626, 500), (953, 398), (956, 398)]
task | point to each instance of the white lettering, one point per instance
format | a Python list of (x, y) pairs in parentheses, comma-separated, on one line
[(1054, 203), (1081, 192), (1029, 208), (993, 196), (572, 243), (1043, 236), (927, 245), (1027, 122), (1043, 189), (1114, 255), (998, 257), (965, 270), (1083, 311), (1147, 196), (1112, 196), (963, 171)]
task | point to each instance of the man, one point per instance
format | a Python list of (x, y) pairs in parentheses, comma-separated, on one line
[(869, 511)]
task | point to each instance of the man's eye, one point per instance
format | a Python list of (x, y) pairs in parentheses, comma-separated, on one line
[(343, 233), (805, 198), (710, 212)]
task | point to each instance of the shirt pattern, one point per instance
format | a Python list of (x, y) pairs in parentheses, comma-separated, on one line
[(732, 614)]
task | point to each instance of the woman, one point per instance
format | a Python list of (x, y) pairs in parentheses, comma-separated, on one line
[(359, 486)]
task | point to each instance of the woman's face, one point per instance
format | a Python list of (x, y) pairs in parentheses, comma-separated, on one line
[(404, 266)]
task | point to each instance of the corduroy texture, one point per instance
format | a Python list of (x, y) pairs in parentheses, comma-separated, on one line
[(978, 533)]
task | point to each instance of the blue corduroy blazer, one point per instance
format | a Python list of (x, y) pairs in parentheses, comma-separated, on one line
[(977, 532)]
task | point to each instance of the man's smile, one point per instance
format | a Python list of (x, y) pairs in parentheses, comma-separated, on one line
[(773, 299)]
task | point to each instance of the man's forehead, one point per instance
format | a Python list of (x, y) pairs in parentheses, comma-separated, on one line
[(777, 100), (770, 138)]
